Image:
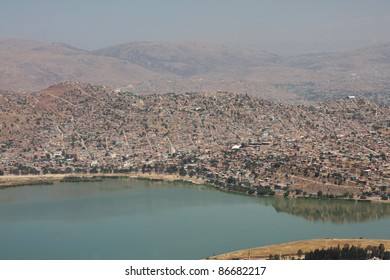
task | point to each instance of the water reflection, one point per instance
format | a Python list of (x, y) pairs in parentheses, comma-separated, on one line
[(330, 211), (135, 219), (110, 198), (113, 198)]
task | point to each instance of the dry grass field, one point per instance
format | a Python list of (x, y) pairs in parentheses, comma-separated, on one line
[(290, 250)]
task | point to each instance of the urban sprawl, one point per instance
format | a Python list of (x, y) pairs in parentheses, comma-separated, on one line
[(235, 142)]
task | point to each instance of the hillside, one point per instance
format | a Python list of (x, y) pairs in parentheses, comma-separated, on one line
[(238, 142), (188, 59), (363, 71), (154, 67), (29, 66)]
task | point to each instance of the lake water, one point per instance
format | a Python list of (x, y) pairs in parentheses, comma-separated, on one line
[(135, 219)]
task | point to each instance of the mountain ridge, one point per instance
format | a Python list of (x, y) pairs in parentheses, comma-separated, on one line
[(155, 67)]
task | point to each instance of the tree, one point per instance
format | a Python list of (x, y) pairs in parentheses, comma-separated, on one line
[(182, 171), (171, 169), (68, 170), (298, 191), (231, 180), (348, 253), (299, 253), (382, 250), (274, 257)]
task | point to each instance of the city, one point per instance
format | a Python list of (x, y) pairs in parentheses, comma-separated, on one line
[(235, 142)]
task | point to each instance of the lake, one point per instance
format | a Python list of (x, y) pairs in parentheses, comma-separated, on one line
[(137, 219)]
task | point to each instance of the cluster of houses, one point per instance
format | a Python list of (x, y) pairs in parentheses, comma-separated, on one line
[(235, 141)]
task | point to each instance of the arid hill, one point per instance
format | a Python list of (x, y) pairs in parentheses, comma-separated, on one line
[(30, 66), (188, 59), (152, 67)]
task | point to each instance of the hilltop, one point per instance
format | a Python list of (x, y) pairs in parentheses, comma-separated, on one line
[(156, 67), (236, 142), (30, 66)]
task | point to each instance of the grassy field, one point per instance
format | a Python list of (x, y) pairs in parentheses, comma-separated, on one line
[(289, 250)]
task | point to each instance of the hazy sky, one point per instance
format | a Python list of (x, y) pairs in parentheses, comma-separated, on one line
[(280, 26)]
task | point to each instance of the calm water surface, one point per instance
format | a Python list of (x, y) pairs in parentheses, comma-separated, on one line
[(134, 219)]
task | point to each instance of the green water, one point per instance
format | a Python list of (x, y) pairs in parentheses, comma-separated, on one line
[(133, 219)]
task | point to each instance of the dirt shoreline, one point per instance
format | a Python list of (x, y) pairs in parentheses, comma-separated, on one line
[(290, 250), (7, 181), (23, 180)]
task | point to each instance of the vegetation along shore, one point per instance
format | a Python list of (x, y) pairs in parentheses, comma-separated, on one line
[(47, 179), (299, 249)]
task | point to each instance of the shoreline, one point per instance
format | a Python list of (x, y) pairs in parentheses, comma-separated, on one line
[(9, 181), (290, 250)]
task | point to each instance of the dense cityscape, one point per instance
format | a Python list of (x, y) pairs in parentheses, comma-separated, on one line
[(235, 142)]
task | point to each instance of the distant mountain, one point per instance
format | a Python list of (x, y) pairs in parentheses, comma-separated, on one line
[(187, 59), (154, 67), (346, 61), (29, 66), (363, 71)]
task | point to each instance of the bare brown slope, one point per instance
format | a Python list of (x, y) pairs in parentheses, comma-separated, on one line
[(152, 67), (29, 66), (204, 67), (189, 59), (315, 76), (146, 67), (364, 71)]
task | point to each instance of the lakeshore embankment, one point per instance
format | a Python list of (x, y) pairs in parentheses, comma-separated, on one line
[(26, 180), (8, 181)]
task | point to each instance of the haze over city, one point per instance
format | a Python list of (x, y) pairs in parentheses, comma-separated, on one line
[(283, 27)]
